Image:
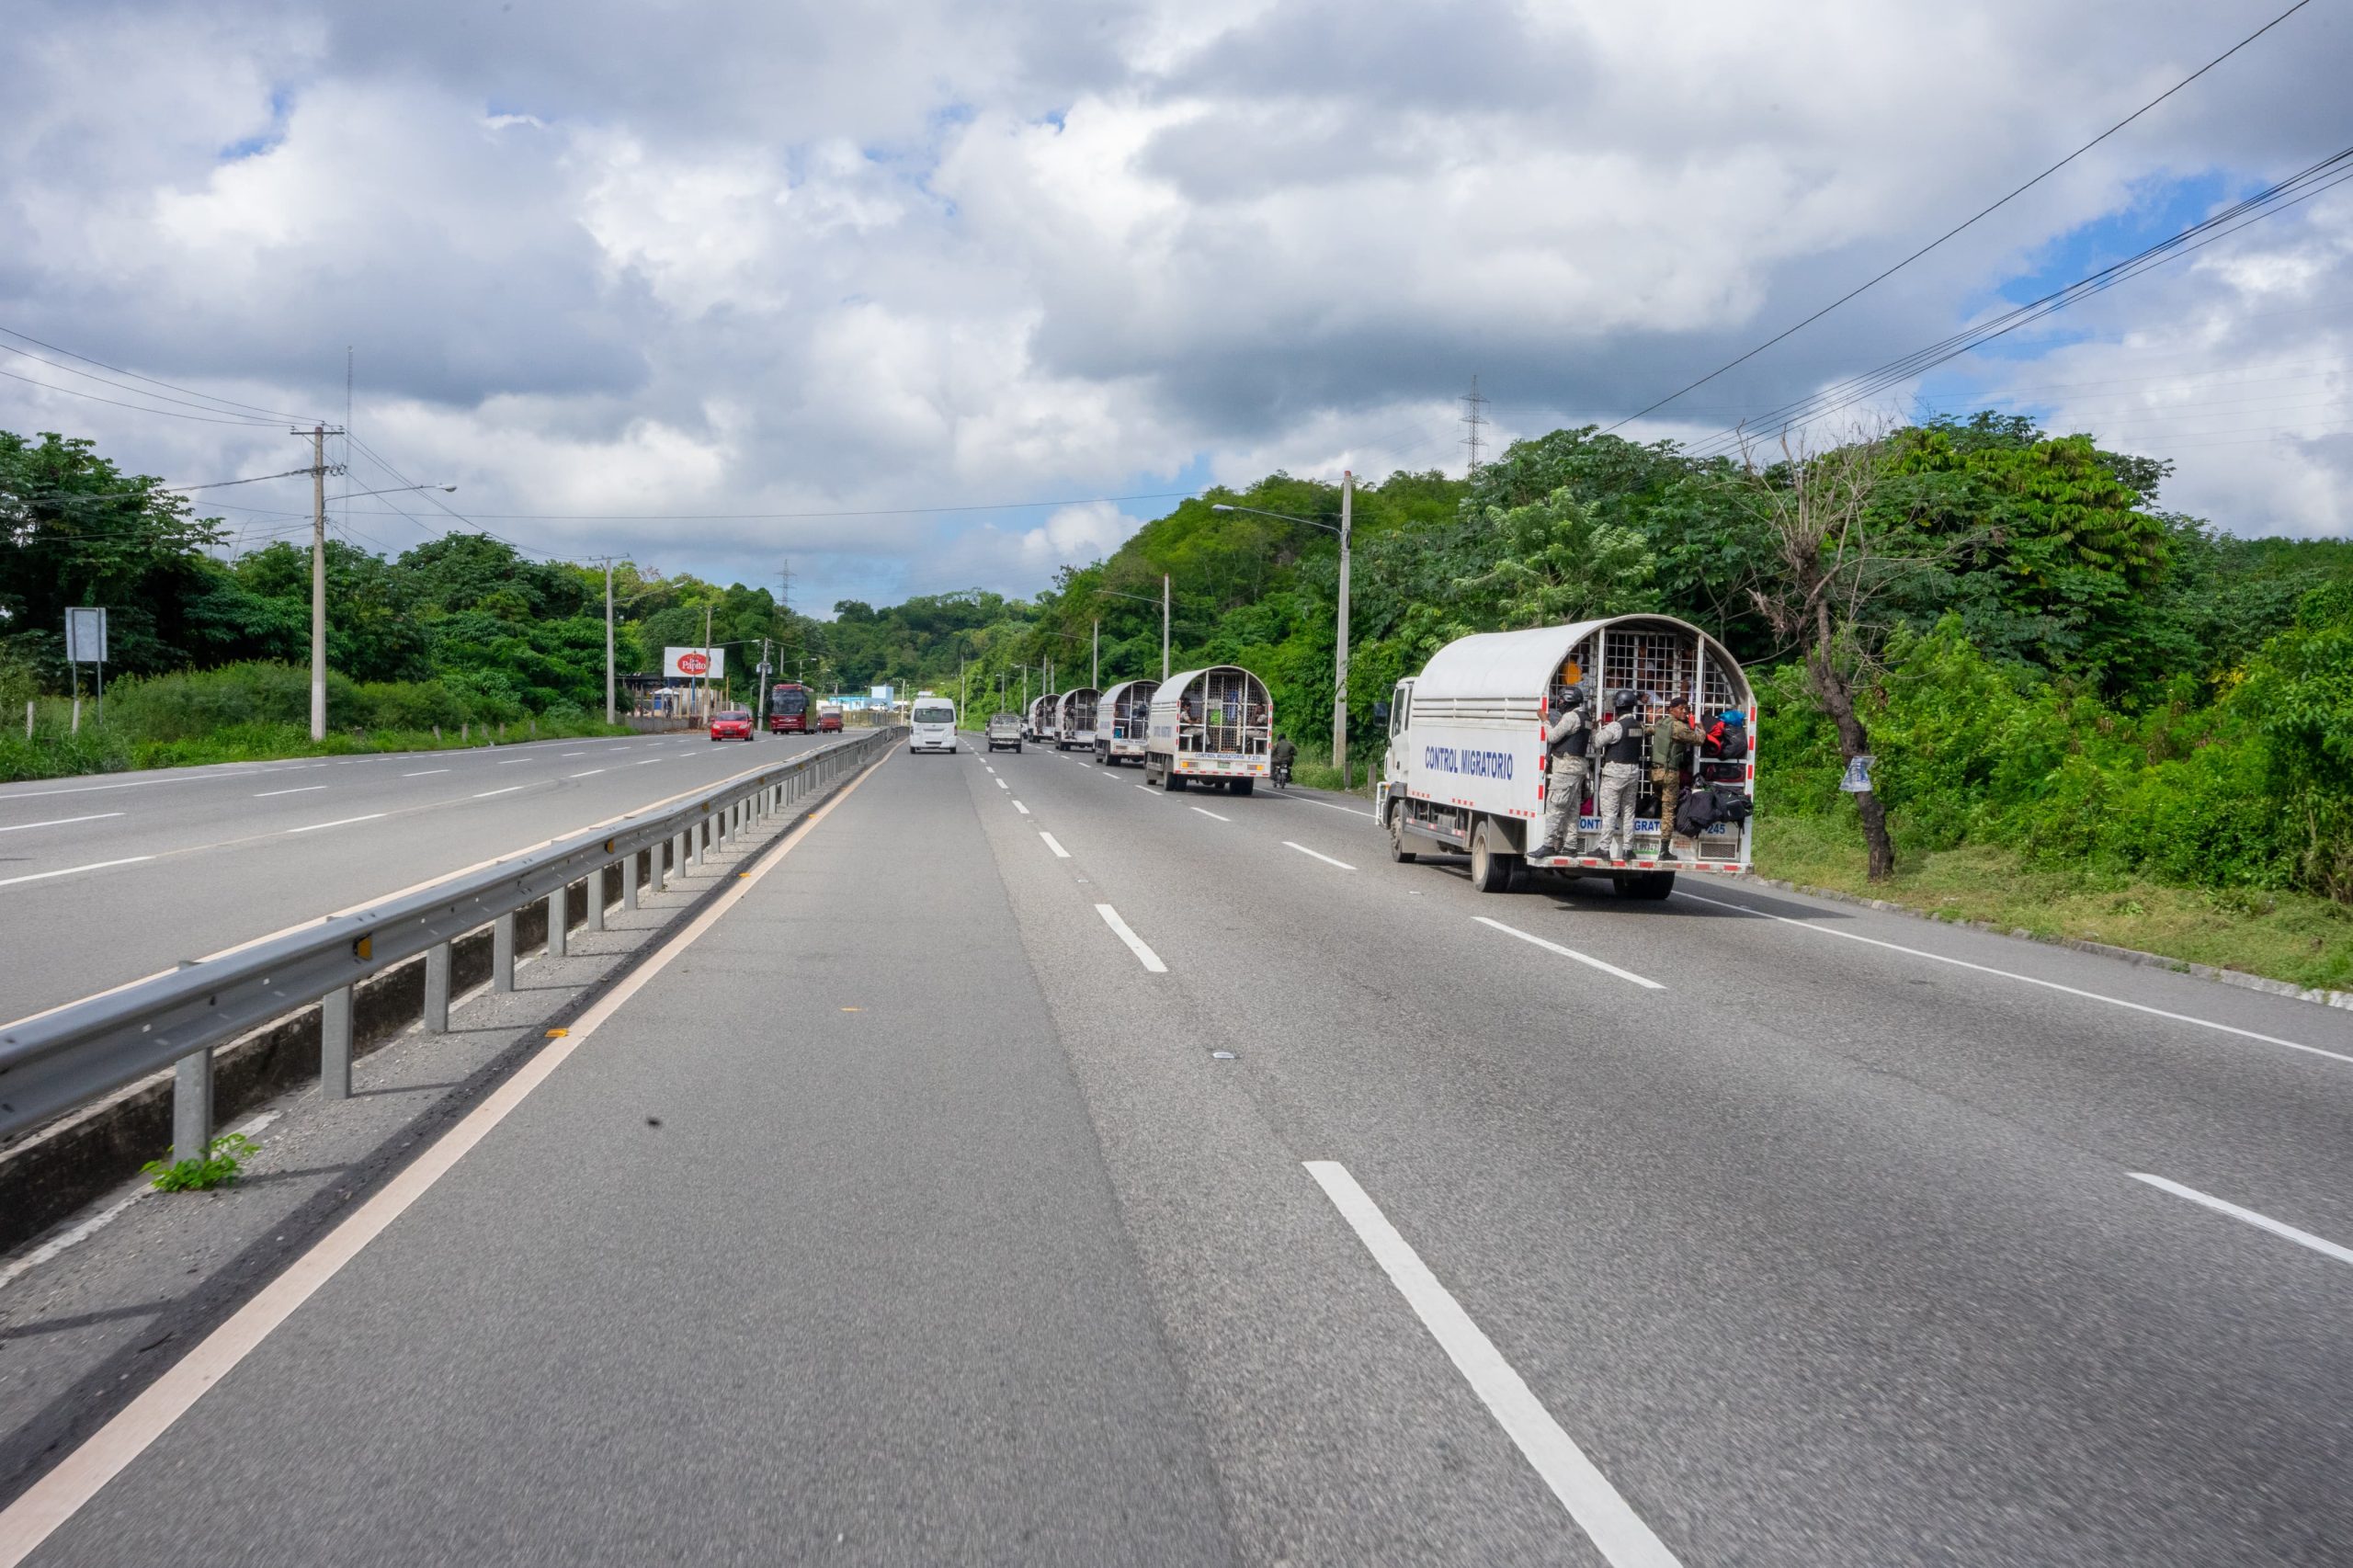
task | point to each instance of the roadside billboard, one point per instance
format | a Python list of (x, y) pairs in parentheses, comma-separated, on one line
[(687, 663)]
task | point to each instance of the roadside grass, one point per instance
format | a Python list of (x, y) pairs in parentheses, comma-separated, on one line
[(2294, 937), (55, 751)]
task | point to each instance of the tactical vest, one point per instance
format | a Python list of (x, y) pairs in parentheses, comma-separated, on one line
[(1575, 744), (1627, 747)]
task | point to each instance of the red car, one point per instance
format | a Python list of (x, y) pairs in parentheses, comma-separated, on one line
[(731, 725)]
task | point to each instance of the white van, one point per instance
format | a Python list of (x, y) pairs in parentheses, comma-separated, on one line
[(934, 719)]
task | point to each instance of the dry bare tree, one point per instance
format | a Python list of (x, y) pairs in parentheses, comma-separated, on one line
[(1822, 570)]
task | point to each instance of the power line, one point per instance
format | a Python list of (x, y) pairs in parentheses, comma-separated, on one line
[(1948, 233), (168, 386), (137, 407), (2292, 191), (793, 517)]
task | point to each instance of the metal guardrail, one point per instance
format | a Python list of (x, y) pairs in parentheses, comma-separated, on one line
[(57, 1061)]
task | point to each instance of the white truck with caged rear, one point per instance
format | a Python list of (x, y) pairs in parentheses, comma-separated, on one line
[(1039, 721), (1122, 717), (1211, 726), (1075, 720), (1465, 768)]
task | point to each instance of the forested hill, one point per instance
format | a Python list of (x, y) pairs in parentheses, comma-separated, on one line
[(2047, 658)]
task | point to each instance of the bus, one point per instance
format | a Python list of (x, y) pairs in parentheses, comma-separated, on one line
[(789, 708), (934, 724)]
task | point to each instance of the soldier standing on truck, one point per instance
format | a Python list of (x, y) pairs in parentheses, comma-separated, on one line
[(1564, 748), (1620, 740), (1673, 745)]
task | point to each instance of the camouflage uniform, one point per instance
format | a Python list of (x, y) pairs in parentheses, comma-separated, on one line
[(1674, 744), (1621, 743)]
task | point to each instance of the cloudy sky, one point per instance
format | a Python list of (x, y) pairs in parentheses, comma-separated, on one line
[(728, 286)]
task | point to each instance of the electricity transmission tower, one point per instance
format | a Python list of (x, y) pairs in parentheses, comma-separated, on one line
[(1473, 419)]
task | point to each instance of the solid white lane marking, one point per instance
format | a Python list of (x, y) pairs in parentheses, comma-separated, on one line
[(303, 789), (1022, 809), (339, 822), (1303, 850), (425, 773), (1003, 784), (1350, 810), (486, 794), (1571, 953), (1207, 812), (2024, 979), (1060, 853), (2261, 1221), (56, 1497), (1608, 1520), (58, 822), (70, 870), (591, 773), (133, 784), (1150, 959)]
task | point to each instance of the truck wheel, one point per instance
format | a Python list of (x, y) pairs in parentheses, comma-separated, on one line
[(1397, 850), (1647, 885), (1170, 779), (1491, 868), (1243, 786)]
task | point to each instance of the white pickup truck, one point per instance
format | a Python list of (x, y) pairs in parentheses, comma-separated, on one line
[(1465, 766)]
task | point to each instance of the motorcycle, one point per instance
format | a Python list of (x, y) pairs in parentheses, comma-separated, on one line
[(1280, 775)]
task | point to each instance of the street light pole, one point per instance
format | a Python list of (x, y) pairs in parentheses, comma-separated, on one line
[(609, 639), (1340, 656), (1340, 664), (1164, 626), (1094, 658), (319, 583)]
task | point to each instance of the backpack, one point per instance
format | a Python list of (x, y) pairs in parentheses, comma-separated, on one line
[(1728, 737), (1697, 812)]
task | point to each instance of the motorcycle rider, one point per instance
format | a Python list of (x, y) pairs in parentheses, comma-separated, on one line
[(1564, 768), (1620, 745)]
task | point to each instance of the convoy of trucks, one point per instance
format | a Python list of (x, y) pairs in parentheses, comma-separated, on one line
[(1211, 726), (1123, 720), (1465, 768)]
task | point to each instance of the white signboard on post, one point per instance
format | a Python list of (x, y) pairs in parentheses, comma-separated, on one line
[(689, 663), (85, 636), (879, 694)]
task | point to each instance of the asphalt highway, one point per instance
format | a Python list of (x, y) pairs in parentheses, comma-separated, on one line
[(1029, 1167), (107, 879)]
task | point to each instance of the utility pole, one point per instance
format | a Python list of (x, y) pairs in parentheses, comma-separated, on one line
[(609, 639), (1340, 665), (318, 434), (764, 685), (1095, 663), (706, 663), (1471, 420), (1164, 626)]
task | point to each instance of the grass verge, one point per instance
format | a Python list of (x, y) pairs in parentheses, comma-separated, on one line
[(54, 754), (2299, 938)]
